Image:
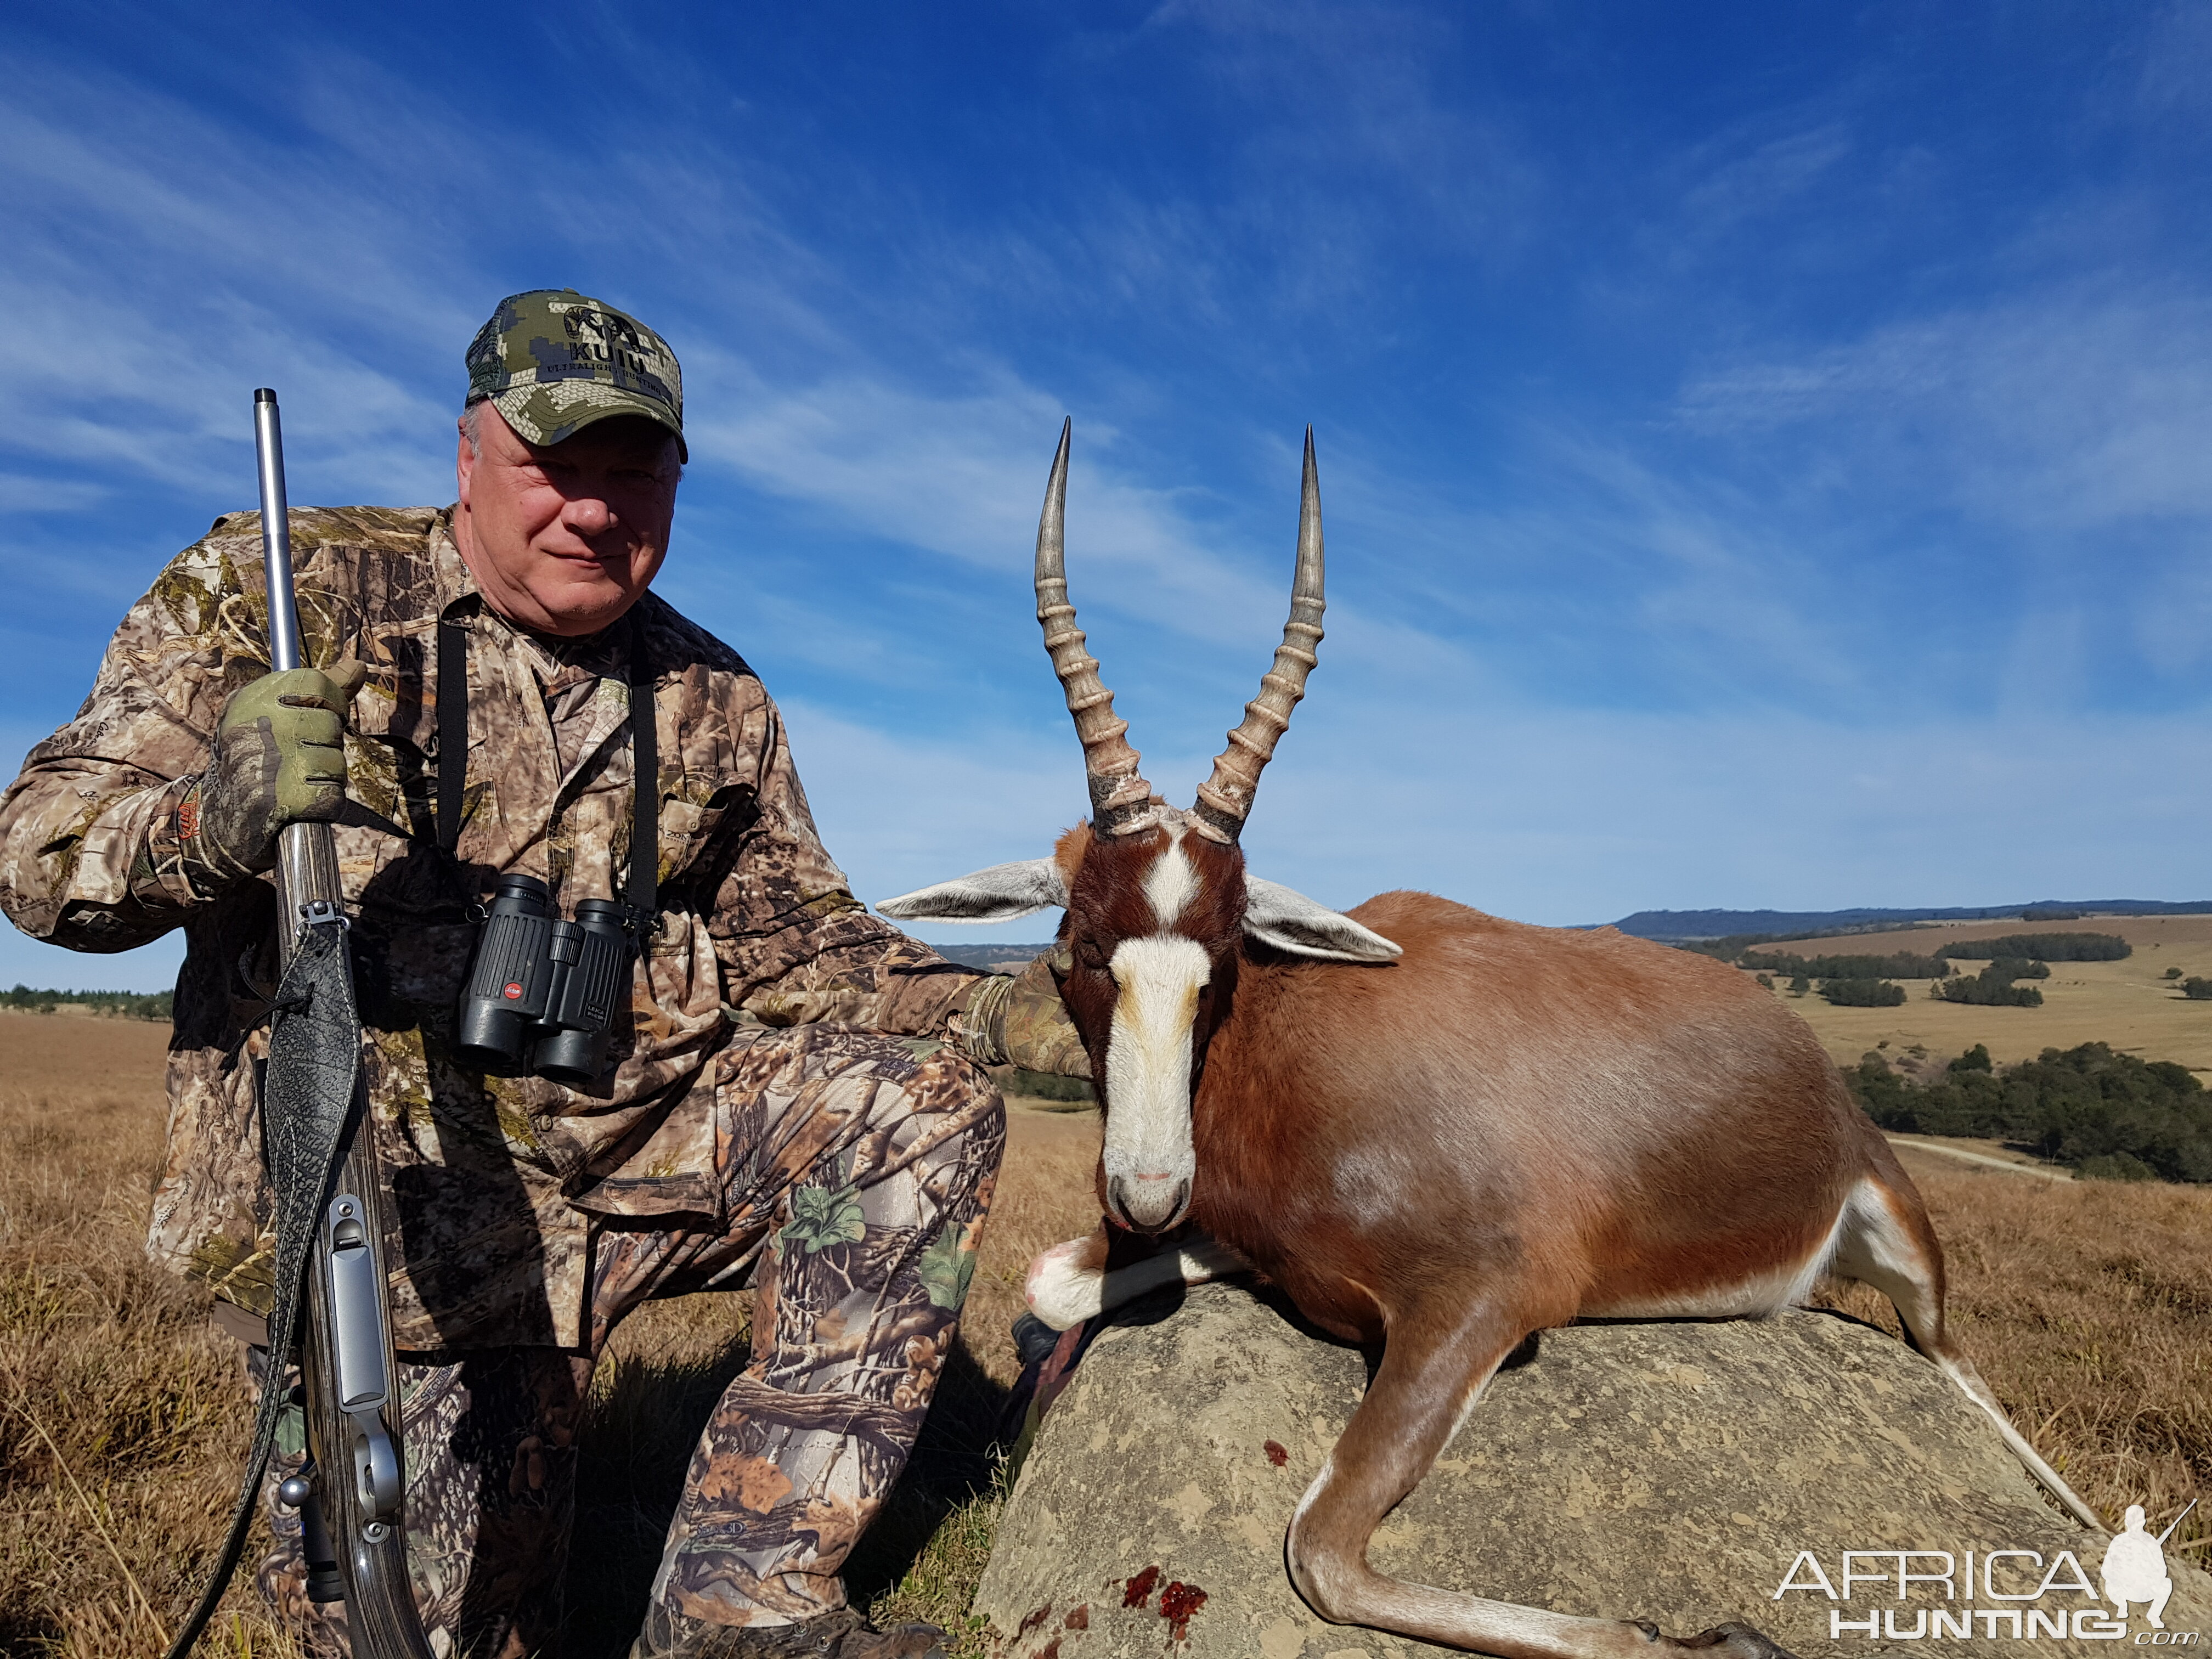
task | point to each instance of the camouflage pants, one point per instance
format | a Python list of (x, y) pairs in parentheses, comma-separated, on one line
[(858, 1173)]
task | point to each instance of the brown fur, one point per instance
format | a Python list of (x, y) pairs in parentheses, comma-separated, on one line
[(1504, 1129)]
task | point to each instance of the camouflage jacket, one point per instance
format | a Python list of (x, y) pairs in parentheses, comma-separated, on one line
[(494, 1182)]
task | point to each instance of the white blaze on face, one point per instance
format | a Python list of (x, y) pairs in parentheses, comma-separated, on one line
[(1148, 1069), (1148, 1148)]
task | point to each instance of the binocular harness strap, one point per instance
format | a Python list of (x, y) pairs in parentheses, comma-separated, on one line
[(641, 892)]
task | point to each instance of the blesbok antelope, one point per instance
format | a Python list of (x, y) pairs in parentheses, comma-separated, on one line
[(1437, 1131)]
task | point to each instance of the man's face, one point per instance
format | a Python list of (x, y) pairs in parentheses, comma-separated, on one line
[(562, 538)]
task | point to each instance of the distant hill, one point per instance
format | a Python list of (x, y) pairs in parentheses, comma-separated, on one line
[(1790, 924), (993, 958)]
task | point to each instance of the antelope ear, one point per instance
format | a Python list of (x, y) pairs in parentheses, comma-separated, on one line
[(1004, 892), (1289, 920)]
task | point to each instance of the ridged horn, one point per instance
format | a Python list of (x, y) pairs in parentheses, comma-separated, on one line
[(1120, 800), (1225, 800)]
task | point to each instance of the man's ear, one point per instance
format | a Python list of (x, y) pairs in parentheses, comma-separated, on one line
[(1004, 892), (465, 463), (1289, 920)]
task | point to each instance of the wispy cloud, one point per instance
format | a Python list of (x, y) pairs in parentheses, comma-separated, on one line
[(2071, 408), (1746, 482)]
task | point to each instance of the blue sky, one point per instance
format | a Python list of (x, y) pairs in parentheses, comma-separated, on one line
[(1763, 445)]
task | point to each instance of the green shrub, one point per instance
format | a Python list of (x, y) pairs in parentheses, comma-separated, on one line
[(1042, 1085), (2072, 1106), (2171, 973), (2115, 1166), (1863, 993), (2197, 990), (1992, 987)]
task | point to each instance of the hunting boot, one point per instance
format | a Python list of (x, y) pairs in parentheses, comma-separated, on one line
[(668, 1634)]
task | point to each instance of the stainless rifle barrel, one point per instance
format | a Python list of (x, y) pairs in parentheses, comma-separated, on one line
[(275, 533)]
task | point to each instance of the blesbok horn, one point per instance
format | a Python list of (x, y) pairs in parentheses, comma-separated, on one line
[(1225, 800), (1120, 800)]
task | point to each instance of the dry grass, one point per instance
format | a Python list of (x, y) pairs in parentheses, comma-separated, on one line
[(2087, 1306), (122, 1415)]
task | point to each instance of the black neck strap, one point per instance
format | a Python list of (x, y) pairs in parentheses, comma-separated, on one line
[(643, 896), (642, 890)]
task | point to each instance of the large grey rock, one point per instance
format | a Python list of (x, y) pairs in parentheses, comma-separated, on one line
[(1669, 1471)]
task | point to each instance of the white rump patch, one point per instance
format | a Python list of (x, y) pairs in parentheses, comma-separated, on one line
[(1148, 1058)]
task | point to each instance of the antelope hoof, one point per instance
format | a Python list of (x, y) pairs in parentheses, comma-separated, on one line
[(1737, 1642)]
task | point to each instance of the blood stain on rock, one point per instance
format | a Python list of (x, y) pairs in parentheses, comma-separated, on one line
[(1034, 1620), (1050, 1650), (1078, 1619), (1178, 1603), (1277, 1454), (1140, 1587)]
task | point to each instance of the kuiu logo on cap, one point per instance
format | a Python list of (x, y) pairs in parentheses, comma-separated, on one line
[(553, 360), (608, 340)]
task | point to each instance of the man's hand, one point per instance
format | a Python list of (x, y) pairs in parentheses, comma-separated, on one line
[(1022, 1022), (279, 758), (1037, 1035)]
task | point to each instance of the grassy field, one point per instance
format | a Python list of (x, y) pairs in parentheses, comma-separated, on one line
[(2127, 1003), (122, 1415)]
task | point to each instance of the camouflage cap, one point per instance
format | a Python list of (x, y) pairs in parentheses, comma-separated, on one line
[(554, 361)]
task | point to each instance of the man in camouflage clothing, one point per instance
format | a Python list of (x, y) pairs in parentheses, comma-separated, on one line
[(796, 1093)]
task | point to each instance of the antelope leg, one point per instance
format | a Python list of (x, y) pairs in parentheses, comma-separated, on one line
[(1886, 1241), (1073, 1282), (1431, 1376)]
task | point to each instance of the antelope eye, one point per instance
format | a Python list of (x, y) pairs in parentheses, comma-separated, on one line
[(1088, 953)]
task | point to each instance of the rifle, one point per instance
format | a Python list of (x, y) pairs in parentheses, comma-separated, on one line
[(319, 1139), (2178, 1520)]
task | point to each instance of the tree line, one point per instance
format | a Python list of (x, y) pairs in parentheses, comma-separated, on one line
[(124, 1005), (2042, 947), (1901, 965), (1864, 981), (2101, 1114), (1936, 964)]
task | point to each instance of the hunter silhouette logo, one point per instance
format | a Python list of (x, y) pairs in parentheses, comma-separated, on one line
[(2134, 1567)]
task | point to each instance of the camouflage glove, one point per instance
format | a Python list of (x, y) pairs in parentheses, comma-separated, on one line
[(279, 758), (1022, 1022)]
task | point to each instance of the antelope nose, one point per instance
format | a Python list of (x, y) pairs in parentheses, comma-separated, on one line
[(1149, 1203)]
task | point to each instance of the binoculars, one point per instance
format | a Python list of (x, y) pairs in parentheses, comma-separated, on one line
[(542, 992)]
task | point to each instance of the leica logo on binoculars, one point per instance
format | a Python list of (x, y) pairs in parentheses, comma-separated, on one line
[(542, 990)]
